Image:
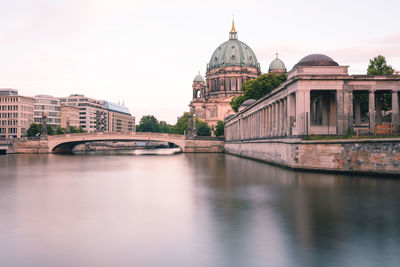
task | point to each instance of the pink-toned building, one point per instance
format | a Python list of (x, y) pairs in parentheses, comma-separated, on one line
[(69, 115), (319, 98), (16, 113), (232, 63)]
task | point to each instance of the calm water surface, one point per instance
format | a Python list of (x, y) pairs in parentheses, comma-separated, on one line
[(191, 210)]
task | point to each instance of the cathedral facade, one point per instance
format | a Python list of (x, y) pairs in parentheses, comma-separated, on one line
[(232, 63)]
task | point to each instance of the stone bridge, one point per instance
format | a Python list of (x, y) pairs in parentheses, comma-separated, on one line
[(66, 143)]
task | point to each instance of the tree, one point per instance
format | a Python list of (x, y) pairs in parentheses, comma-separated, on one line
[(257, 88), (50, 130), (181, 125), (203, 129), (378, 66), (34, 129), (60, 130), (219, 129), (164, 127), (148, 123)]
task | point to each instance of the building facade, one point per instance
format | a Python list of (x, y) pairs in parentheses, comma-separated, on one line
[(231, 64), (16, 114), (99, 115), (50, 106), (119, 118), (319, 98), (92, 114), (69, 116)]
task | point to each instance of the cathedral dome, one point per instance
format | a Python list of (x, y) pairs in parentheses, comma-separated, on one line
[(233, 53), (316, 60), (277, 65), (198, 78)]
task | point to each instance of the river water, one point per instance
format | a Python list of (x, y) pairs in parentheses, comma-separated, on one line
[(191, 210)]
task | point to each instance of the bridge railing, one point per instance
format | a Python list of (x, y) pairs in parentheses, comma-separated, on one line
[(141, 134)]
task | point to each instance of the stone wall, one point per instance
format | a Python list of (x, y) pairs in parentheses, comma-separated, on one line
[(364, 156), (208, 145), (29, 147)]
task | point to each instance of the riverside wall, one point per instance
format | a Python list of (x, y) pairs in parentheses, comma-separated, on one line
[(374, 156)]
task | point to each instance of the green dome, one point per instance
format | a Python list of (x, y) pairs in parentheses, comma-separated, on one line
[(277, 64), (198, 78), (233, 53)]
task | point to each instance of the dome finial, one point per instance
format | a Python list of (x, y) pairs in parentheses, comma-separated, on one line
[(233, 24), (276, 55), (233, 32)]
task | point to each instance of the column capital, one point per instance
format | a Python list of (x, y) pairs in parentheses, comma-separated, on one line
[(395, 90), (372, 90)]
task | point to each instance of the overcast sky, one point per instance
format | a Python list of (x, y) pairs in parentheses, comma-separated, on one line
[(146, 53)]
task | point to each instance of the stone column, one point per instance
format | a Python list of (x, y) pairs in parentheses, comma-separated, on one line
[(372, 114), (288, 112), (284, 120), (348, 110), (302, 112), (265, 122), (357, 109), (395, 111), (194, 123), (339, 111), (276, 119), (378, 106), (269, 120)]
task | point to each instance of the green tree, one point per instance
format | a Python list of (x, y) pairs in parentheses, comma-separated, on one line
[(378, 66), (203, 129), (219, 129), (60, 130), (34, 129), (74, 129), (257, 88), (164, 127), (50, 130), (181, 125), (148, 123)]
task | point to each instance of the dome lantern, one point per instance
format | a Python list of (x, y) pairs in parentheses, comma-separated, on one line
[(233, 32)]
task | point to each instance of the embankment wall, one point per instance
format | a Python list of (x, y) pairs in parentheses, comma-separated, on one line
[(365, 156)]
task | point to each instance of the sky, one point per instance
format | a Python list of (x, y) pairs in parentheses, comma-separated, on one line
[(145, 53)]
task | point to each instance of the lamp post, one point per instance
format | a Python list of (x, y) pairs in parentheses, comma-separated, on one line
[(68, 130), (44, 125)]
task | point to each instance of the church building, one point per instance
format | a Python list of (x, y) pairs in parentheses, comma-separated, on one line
[(232, 63)]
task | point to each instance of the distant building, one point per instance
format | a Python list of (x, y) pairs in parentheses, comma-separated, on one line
[(100, 116), (119, 118), (49, 105), (69, 114), (92, 114), (16, 113)]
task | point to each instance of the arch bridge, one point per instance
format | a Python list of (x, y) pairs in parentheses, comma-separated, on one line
[(65, 143)]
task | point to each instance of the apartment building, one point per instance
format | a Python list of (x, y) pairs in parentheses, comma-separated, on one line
[(92, 114), (49, 105), (119, 118), (16, 113)]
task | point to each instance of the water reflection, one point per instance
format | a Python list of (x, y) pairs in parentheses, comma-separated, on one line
[(191, 210)]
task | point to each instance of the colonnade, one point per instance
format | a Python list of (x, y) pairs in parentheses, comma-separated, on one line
[(269, 121), (290, 116)]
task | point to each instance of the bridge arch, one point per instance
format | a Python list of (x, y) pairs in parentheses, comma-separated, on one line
[(66, 143)]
